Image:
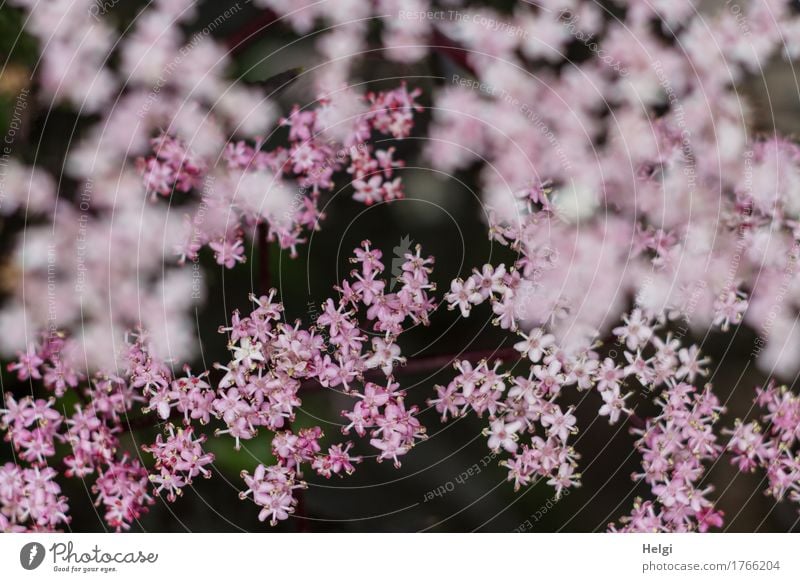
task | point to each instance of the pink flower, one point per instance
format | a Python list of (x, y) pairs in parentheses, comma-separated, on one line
[(228, 253), (463, 294), (384, 354), (368, 191), (502, 435), (27, 366), (636, 331), (691, 363), (534, 344), (559, 423)]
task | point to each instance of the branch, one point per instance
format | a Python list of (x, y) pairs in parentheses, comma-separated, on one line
[(254, 28), (428, 363)]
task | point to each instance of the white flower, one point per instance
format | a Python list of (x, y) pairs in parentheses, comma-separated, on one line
[(636, 332), (691, 364), (502, 435), (247, 353), (385, 353), (463, 294), (613, 404), (560, 424), (534, 344)]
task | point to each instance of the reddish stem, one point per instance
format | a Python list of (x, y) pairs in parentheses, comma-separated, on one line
[(443, 44), (637, 421), (240, 39), (251, 31), (264, 279), (428, 363)]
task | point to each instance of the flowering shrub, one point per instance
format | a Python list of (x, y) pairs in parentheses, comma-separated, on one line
[(270, 361), (634, 208)]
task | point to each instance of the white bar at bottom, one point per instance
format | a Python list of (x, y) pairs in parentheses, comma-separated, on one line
[(389, 557)]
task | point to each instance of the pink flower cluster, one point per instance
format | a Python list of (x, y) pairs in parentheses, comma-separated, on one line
[(122, 487), (179, 458), (32, 427), (153, 379), (675, 446), (45, 362), (172, 167), (271, 362), (105, 273), (655, 188), (35, 426), (272, 487), (526, 421), (627, 183), (252, 185), (771, 442), (514, 412), (323, 139), (177, 123), (30, 499)]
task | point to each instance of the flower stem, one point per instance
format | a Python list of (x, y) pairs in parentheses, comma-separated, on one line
[(264, 279)]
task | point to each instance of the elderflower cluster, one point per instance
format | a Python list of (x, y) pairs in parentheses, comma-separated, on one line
[(638, 208)]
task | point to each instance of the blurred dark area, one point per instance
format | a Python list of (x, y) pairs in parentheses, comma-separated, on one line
[(447, 483)]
